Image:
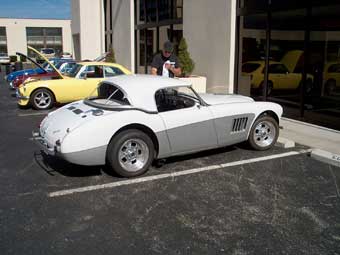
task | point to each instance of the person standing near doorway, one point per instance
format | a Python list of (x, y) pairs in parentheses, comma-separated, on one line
[(166, 63)]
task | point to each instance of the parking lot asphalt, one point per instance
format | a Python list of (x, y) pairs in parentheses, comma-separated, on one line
[(226, 201)]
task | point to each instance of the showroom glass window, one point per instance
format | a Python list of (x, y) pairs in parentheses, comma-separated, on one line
[(302, 39)]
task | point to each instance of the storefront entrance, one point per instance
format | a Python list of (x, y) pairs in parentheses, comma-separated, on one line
[(156, 21)]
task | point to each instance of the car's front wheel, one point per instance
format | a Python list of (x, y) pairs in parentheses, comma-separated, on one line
[(42, 99), (130, 153), (270, 87), (264, 133), (330, 87)]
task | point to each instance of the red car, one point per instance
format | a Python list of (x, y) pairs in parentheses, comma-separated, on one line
[(62, 67), (22, 78)]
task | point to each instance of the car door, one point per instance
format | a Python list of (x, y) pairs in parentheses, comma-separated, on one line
[(89, 79), (279, 75), (189, 125), (81, 85)]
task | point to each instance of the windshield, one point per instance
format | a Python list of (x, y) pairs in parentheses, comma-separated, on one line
[(107, 94), (58, 65), (74, 70)]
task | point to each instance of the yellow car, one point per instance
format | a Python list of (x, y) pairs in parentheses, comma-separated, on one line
[(281, 74), (331, 76), (75, 85)]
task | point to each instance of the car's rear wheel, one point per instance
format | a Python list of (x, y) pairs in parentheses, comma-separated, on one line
[(264, 133), (130, 153), (42, 99)]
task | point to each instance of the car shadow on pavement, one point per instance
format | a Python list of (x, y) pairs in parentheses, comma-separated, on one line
[(193, 156), (52, 165)]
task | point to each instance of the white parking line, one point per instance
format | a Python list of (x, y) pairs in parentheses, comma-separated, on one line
[(174, 174), (32, 114)]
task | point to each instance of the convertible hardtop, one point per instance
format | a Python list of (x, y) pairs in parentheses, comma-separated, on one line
[(140, 88)]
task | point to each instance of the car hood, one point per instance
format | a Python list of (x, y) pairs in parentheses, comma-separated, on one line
[(44, 58), (60, 122), (13, 75), (214, 99)]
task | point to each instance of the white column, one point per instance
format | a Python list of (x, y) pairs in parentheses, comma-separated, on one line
[(209, 28)]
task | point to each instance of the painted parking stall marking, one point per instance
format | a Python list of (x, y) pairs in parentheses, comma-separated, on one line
[(174, 174), (32, 114)]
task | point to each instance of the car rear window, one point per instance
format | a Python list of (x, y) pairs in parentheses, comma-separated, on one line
[(108, 95), (249, 67)]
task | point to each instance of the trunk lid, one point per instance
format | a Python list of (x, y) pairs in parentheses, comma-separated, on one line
[(67, 118)]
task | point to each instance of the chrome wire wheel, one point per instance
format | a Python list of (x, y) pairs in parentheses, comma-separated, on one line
[(264, 133), (133, 155), (42, 99)]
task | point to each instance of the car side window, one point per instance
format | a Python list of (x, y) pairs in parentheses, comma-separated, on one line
[(94, 72), (111, 71), (170, 99), (277, 68)]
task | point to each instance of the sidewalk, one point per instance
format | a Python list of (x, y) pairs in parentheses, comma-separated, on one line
[(324, 142)]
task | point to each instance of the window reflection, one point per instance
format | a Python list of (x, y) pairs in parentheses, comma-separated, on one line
[(304, 59)]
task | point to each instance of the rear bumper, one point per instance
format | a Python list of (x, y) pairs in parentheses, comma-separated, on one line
[(42, 144)]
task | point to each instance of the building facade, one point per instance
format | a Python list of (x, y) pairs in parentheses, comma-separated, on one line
[(16, 34), (281, 51)]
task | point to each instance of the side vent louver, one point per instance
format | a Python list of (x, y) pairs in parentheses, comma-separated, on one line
[(239, 124)]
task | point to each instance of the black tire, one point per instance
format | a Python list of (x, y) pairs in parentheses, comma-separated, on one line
[(132, 166), (42, 99), (330, 87), (308, 87), (269, 88), (267, 134)]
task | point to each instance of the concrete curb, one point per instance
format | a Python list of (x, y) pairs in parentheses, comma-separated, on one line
[(326, 157), (285, 143)]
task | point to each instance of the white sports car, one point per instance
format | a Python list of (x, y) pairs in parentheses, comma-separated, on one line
[(130, 120)]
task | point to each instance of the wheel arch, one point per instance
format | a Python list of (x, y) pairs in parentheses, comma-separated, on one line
[(46, 88), (271, 114), (142, 128)]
